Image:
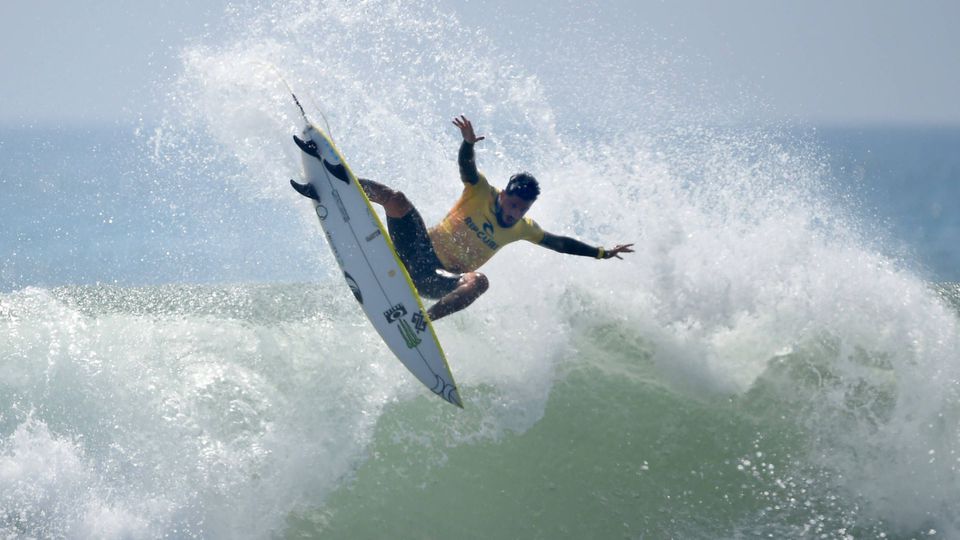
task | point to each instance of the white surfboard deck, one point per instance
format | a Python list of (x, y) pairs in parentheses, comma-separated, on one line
[(374, 272)]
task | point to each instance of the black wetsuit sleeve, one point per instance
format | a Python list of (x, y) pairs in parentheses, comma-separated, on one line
[(468, 165), (570, 246)]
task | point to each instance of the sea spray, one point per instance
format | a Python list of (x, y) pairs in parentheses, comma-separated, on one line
[(746, 255), (176, 416), (758, 367)]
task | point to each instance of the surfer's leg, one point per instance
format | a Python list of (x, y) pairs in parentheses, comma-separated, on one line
[(472, 285), (394, 202)]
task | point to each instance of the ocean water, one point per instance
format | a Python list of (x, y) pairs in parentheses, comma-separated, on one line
[(180, 359)]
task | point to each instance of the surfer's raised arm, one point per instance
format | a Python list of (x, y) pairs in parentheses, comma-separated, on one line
[(465, 158), (572, 246)]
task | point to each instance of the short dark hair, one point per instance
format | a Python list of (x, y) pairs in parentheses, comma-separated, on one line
[(523, 185)]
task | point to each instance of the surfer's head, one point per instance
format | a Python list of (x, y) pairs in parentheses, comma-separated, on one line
[(523, 185), (517, 198)]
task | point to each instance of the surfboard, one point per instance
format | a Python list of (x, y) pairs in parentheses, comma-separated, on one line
[(370, 265)]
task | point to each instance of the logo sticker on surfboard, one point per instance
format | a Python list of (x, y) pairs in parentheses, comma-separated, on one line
[(409, 337), (395, 313), (419, 321), (354, 287)]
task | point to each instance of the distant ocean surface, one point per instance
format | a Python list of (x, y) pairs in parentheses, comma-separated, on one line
[(906, 181), (179, 357), (89, 205)]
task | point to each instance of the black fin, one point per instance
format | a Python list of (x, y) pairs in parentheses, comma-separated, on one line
[(337, 170), (308, 147), (307, 190)]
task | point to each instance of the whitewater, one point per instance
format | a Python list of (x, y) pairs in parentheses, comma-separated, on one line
[(765, 364)]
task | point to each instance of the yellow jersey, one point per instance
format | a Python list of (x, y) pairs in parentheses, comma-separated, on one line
[(470, 234)]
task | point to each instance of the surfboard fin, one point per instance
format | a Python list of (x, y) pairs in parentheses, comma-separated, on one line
[(338, 171), (307, 190), (308, 147)]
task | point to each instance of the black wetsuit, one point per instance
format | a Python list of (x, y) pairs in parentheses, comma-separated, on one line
[(412, 240), (413, 245)]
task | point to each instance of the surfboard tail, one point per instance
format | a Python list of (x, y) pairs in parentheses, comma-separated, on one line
[(308, 147)]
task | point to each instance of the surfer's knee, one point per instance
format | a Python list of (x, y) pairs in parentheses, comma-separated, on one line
[(479, 283), (396, 204)]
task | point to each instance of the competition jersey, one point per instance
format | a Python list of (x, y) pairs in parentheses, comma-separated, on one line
[(470, 234)]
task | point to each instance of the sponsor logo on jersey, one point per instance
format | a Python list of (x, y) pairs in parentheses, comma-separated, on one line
[(484, 233)]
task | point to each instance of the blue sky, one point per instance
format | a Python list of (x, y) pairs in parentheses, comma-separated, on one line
[(819, 61)]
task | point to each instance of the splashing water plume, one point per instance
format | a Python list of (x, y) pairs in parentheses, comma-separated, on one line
[(754, 298)]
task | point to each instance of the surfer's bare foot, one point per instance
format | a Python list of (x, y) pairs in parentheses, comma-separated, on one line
[(472, 285)]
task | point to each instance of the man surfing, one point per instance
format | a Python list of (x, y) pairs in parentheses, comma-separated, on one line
[(443, 260)]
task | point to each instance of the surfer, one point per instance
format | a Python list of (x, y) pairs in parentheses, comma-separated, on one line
[(443, 260)]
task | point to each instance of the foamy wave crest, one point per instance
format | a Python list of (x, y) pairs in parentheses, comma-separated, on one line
[(197, 411), (120, 424), (750, 276), (751, 271)]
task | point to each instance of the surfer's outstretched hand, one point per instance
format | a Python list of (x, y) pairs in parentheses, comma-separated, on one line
[(615, 252), (466, 129)]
